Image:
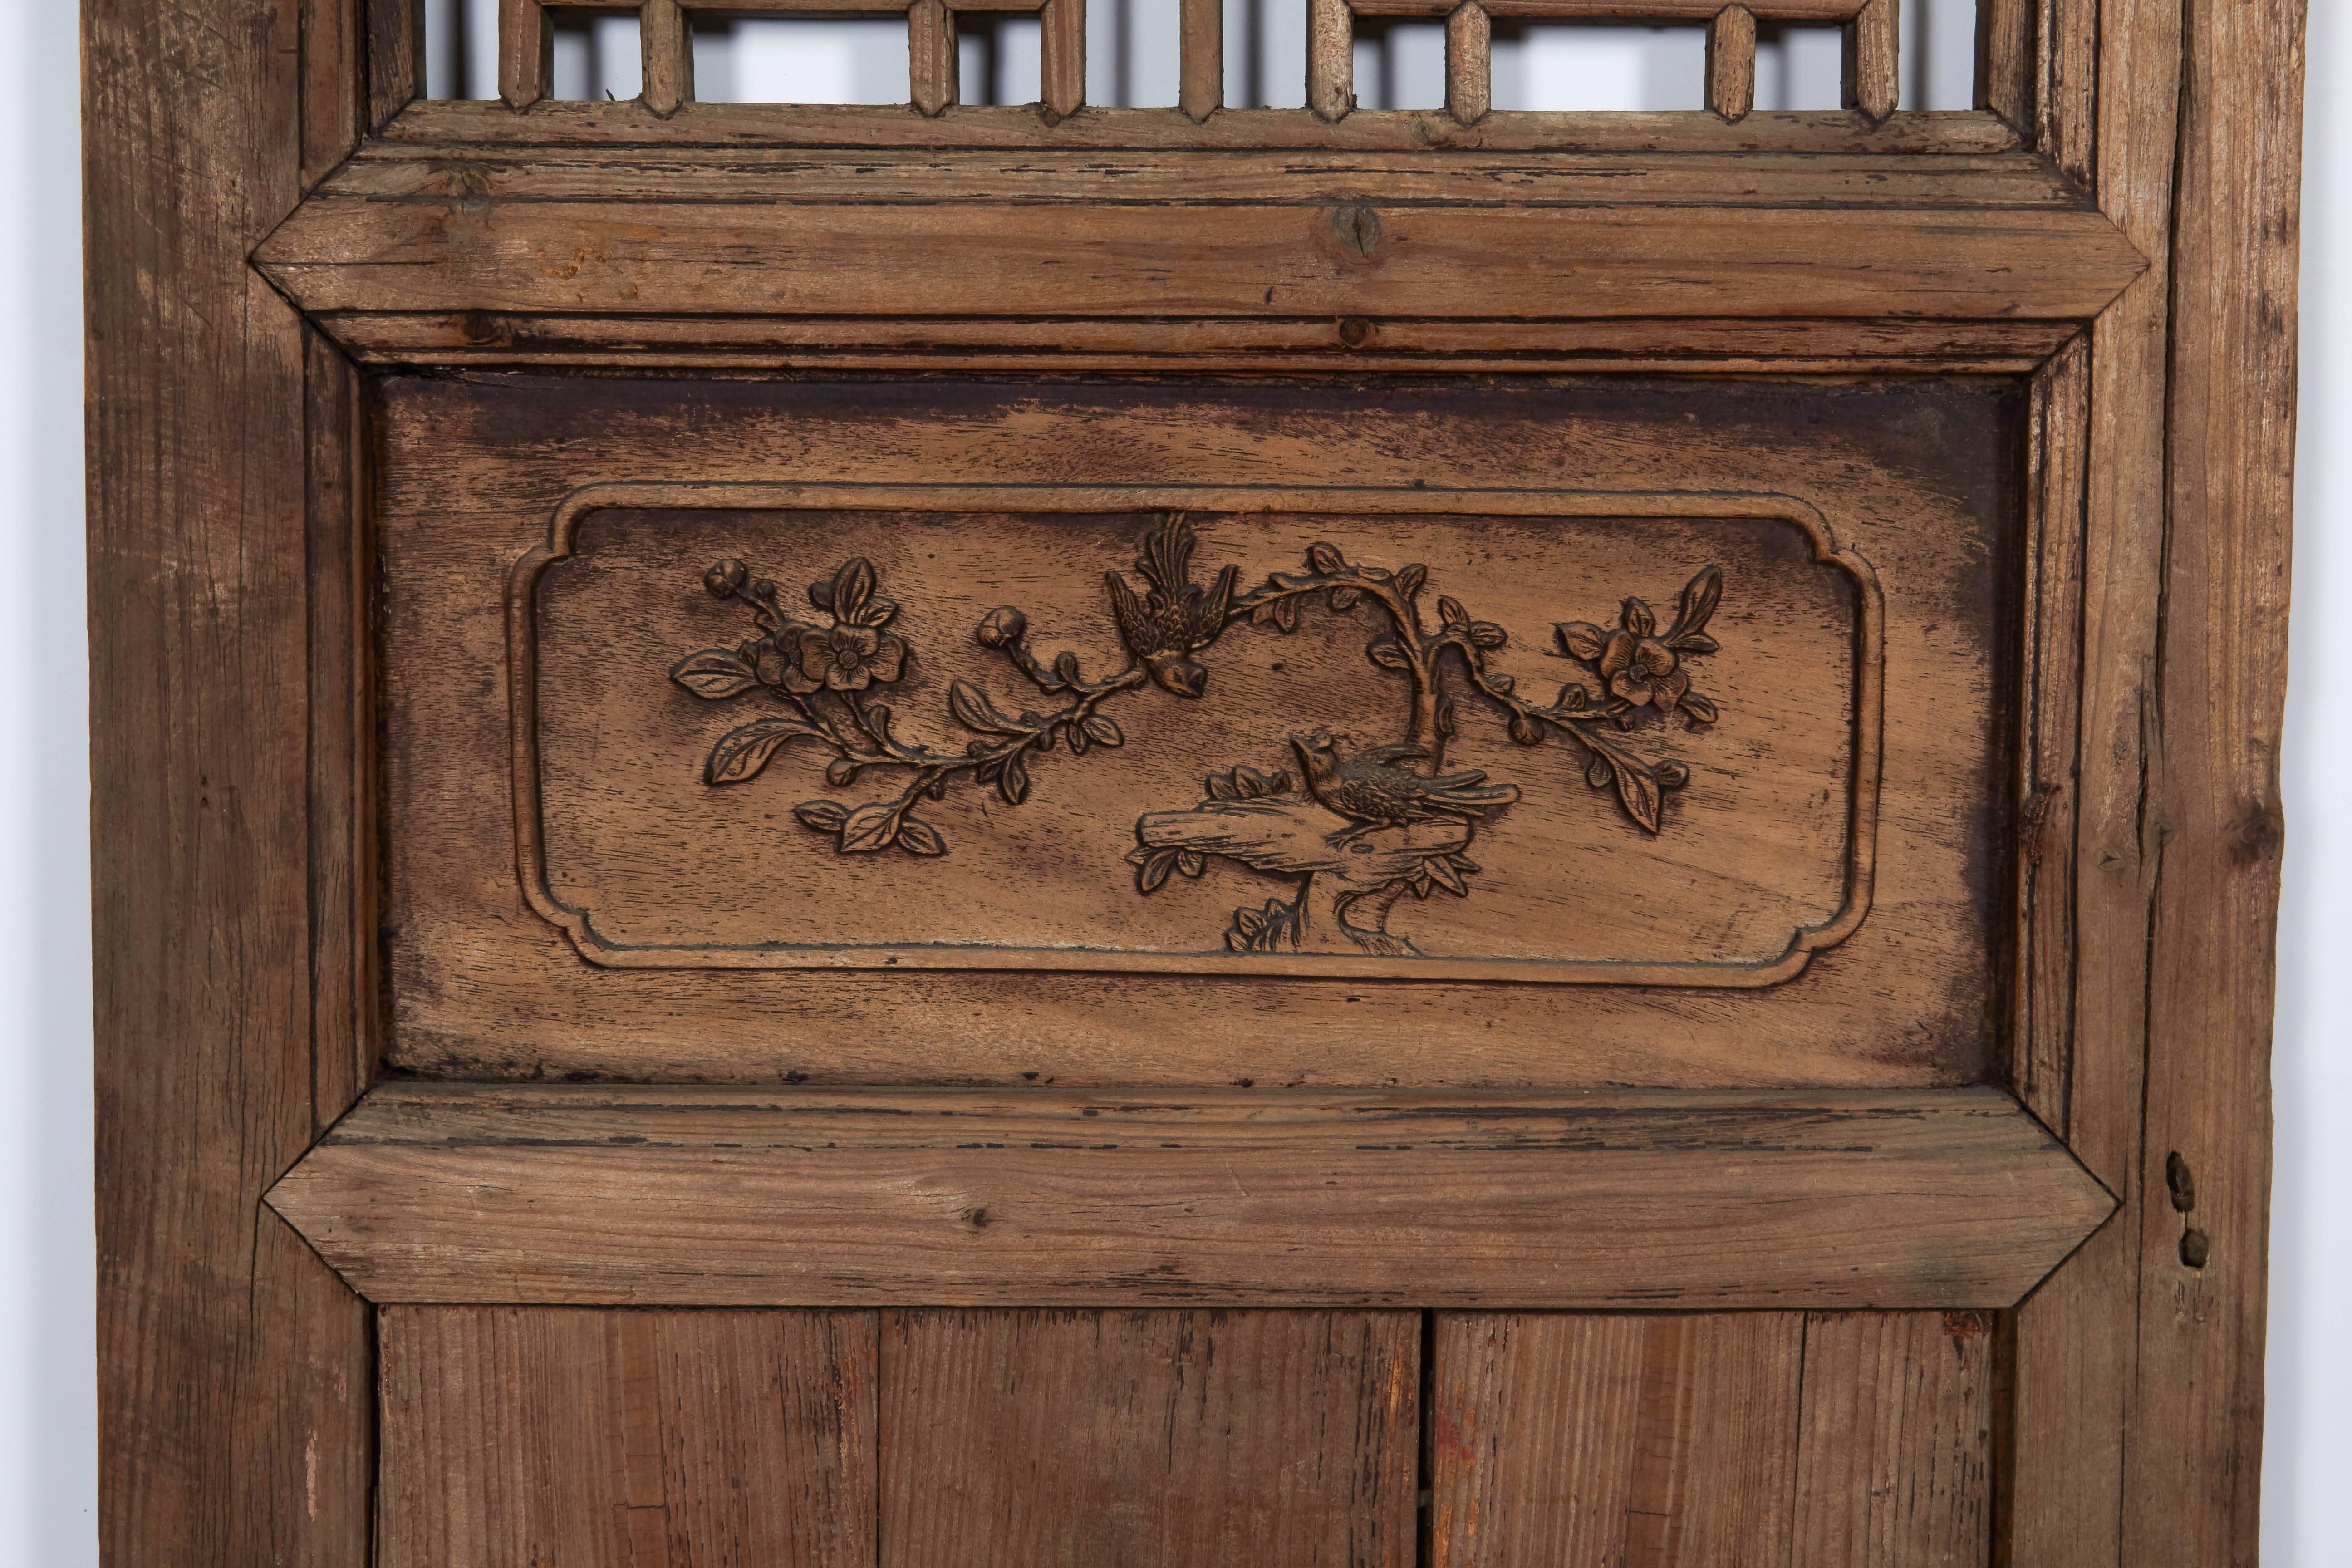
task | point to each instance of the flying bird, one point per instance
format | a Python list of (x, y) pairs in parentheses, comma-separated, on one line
[(1373, 790), (1175, 617)]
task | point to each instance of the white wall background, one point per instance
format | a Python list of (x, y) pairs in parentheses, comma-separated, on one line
[(47, 1421)]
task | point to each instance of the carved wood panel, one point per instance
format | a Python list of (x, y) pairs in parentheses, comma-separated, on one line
[(868, 733)]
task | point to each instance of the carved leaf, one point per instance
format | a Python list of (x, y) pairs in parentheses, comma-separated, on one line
[(1408, 581), (916, 837), (1389, 656), (1250, 783), (1700, 596), (1286, 613), (1451, 612), (1152, 867), (1221, 786), (1701, 710), (1065, 668), (1581, 639), (1441, 872), (1192, 862), (714, 673), (852, 586), (741, 752), (1639, 793), (1502, 682), (1597, 772), (870, 828), (1102, 731), (1324, 557), (824, 815), (878, 612), (1012, 783), (1075, 734), (1487, 634), (973, 711), (1343, 597)]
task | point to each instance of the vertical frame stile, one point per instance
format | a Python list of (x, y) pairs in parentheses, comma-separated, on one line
[(1330, 58), (1874, 70), (1469, 63), (526, 53), (931, 55), (392, 73), (667, 46), (1201, 51), (1062, 59), (1731, 63), (2007, 69)]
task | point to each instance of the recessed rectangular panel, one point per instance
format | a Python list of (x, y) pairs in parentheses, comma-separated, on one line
[(1539, 733), (1534, 735)]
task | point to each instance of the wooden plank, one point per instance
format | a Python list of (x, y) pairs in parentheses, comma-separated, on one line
[(394, 75), (1201, 56), (514, 1437), (2073, 1362), (526, 53), (1330, 58), (1874, 70), (234, 1408), (1037, 1438), (1796, 346), (1469, 63), (931, 55), (667, 47), (1895, 1443), (1638, 1441), (1731, 63), (585, 124), (987, 257), (2193, 1471), (1062, 59), (738, 1197), (331, 98), (2042, 1032), (2009, 67)]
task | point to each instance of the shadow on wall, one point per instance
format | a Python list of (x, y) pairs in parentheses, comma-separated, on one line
[(1131, 59)]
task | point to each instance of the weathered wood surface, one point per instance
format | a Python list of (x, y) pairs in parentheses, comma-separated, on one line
[(516, 1437), (234, 1410), (1918, 480), (1770, 1438), (1038, 1439), (632, 249), (2192, 1495), (715, 1197), (758, 125), (1641, 1441)]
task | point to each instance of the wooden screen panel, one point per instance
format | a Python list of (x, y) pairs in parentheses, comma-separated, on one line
[(1030, 1439), (515, 1438), (1807, 1440)]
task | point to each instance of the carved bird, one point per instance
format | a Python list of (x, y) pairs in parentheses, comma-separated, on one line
[(1174, 619), (1373, 790)]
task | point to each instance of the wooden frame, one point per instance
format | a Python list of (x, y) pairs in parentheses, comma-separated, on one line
[(233, 861)]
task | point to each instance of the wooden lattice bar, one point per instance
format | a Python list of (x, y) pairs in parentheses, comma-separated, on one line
[(1872, 75), (1731, 62)]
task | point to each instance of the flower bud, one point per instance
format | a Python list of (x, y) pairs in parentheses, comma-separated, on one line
[(1002, 624), (727, 577), (840, 771), (1525, 731)]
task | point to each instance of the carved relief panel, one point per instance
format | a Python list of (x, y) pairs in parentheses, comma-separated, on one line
[(1506, 735)]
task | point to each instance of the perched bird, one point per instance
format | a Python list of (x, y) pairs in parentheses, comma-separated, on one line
[(1174, 619), (1373, 790)]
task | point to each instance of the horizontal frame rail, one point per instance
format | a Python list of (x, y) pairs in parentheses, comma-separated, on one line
[(709, 1196)]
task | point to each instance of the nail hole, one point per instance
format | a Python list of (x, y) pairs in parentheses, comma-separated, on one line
[(2194, 1248), (2180, 1181)]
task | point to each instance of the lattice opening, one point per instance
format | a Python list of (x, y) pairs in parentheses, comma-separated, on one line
[(813, 59), (1335, 56), (594, 55)]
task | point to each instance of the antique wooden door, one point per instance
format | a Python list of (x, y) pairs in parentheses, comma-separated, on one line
[(946, 834)]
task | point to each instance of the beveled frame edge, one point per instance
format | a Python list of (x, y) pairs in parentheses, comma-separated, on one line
[(578, 924)]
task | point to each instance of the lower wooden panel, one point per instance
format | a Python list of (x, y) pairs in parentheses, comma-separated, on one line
[(1810, 1440), (517, 1438), (1035, 1438)]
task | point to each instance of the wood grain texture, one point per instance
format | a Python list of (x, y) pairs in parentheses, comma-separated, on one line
[(1062, 59), (233, 1406), (2073, 1416), (732, 1197), (1201, 58), (1592, 1442), (519, 1437), (1031, 1439), (526, 53), (1916, 479), (666, 44), (394, 72), (1894, 1442), (2192, 1495), (1330, 59), (1874, 70), (1731, 63), (612, 247), (932, 55), (1469, 62)]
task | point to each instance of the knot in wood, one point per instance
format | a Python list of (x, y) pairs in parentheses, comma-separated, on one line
[(1358, 229)]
